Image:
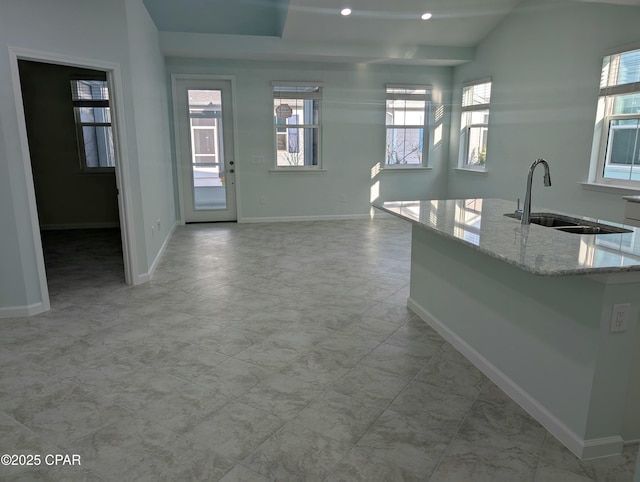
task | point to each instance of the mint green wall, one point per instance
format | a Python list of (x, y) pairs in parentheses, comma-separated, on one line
[(151, 114), (545, 61), (353, 137), (17, 286), (100, 31), (14, 290)]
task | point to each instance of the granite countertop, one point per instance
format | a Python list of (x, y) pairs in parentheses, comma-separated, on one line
[(633, 199), (481, 225)]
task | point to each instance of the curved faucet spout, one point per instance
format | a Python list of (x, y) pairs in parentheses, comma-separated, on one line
[(526, 211)]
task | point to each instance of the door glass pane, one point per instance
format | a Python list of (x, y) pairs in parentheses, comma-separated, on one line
[(207, 150)]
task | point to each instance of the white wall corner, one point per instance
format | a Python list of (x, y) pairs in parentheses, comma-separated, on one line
[(22, 311), (144, 277)]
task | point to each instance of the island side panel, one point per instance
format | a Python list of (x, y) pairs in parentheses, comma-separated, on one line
[(538, 337), (614, 366), (631, 424)]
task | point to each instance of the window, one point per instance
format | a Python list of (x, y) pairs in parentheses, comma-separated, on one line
[(407, 111), (93, 122), (617, 140), (474, 125), (296, 122)]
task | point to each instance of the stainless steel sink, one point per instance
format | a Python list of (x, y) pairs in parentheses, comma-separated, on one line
[(570, 224), (593, 229), (550, 220)]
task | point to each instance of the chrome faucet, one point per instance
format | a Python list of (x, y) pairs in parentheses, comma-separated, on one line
[(526, 211)]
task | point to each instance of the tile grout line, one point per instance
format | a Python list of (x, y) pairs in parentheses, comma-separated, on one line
[(455, 434)]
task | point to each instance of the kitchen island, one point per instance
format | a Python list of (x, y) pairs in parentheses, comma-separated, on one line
[(532, 307)]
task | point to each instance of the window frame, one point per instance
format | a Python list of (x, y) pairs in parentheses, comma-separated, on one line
[(465, 110), (427, 97), (299, 90), (607, 96), (78, 104)]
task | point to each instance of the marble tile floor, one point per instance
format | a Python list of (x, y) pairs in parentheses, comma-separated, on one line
[(258, 352)]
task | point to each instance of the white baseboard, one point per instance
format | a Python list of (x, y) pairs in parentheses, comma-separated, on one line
[(20, 311), (53, 227), (583, 449), (334, 217), (144, 277), (382, 215), (601, 447), (287, 219)]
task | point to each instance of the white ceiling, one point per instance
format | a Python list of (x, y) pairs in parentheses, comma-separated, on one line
[(381, 31), (455, 23)]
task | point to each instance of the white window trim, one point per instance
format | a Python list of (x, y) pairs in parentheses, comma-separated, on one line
[(596, 179), (610, 188), (298, 95), (463, 145), (298, 170), (601, 139), (469, 170), (405, 168), (426, 134)]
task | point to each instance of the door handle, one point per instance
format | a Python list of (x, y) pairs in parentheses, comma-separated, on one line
[(231, 171), (231, 163)]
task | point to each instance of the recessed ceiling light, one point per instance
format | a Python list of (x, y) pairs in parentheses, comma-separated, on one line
[(426, 16), (345, 11)]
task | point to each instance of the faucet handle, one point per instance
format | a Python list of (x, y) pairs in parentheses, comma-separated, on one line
[(518, 211)]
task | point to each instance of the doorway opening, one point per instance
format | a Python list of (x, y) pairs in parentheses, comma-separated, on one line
[(68, 117)]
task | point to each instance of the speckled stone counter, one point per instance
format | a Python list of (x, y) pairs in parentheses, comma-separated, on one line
[(481, 225), (533, 308)]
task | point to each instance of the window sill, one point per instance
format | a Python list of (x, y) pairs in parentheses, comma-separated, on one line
[(406, 169), (476, 172), (610, 188), (98, 171), (299, 170)]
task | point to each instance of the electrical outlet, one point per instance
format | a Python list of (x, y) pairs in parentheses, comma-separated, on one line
[(263, 200), (620, 317)]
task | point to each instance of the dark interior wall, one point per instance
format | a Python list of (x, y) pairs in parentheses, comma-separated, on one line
[(66, 196)]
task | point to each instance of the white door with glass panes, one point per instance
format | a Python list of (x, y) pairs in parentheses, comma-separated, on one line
[(206, 159)]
